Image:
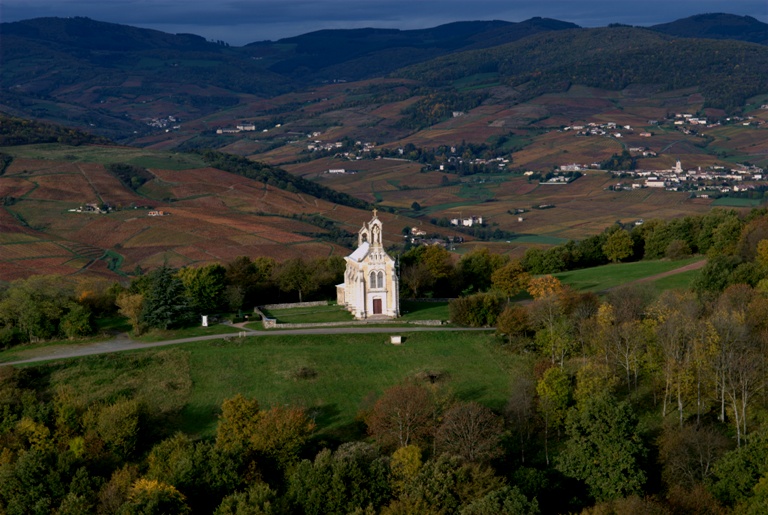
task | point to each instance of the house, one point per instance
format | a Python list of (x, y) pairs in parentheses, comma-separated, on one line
[(370, 288)]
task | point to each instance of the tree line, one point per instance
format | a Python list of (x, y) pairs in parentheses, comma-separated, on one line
[(52, 307)]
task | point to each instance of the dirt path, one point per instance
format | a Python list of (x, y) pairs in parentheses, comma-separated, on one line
[(693, 266)]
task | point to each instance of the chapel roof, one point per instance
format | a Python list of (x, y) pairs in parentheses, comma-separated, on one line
[(360, 252)]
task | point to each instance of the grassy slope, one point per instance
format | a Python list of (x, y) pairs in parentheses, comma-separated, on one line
[(603, 277), (350, 368)]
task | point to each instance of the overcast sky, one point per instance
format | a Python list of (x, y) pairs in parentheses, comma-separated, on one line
[(244, 21)]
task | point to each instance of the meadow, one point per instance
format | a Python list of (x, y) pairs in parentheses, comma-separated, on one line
[(601, 278), (334, 377)]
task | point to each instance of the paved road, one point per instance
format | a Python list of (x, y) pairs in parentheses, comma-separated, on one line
[(123, 343)]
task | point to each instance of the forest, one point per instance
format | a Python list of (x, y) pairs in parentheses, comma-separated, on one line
[(631, 402)]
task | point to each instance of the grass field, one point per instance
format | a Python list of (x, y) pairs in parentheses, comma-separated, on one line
[(346, 372), (313, 314), (737, 202), (603, 277)]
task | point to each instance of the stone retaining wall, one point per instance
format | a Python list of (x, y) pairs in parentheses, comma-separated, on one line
[(296, 305), (271, 323)]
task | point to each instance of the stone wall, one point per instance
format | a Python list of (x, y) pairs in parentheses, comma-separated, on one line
[(296, 305), (271, 323)]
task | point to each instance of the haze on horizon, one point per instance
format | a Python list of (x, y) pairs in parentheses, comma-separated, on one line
[(239, 22)]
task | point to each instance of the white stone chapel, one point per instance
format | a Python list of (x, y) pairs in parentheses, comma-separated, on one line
[(370, 288)]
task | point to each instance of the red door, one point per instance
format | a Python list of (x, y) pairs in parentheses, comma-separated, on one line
[(377, 306)]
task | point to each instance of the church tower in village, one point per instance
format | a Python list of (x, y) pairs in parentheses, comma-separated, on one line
[(370, 288)]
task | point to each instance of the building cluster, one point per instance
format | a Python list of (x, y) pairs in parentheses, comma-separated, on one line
[(167, 123), (244, 127), (610, 129), (711, 179), (467, 222), (92, 207)]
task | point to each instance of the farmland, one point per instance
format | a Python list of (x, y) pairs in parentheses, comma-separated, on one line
[(210, 215)]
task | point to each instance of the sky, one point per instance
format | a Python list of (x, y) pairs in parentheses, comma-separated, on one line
[(239, 22)]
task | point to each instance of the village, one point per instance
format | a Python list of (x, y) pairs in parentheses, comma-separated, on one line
[(714, 180)]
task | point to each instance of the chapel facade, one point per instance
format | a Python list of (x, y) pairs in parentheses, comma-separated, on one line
[(370, 288)]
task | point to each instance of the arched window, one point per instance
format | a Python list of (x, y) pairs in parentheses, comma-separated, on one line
[(381, 279), (372, 282)]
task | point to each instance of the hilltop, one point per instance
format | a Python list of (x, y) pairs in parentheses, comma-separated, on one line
[(122, 82)]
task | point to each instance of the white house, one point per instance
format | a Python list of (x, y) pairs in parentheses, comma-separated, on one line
[(370, 288)]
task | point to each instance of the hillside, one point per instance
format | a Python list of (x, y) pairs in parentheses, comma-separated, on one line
[(726, 72), (717, 26), (128, 83), (179, 211)]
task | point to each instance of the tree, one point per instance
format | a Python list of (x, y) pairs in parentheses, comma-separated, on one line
[(350, 480), (554, 391), (405, 464), (471, 431), (131, 306), (403, 415), (513, 322), (165, 304), (77, 322), (618, 246), (476, 310), (258, 499), (204, 287), (689, 453), (544, 286), (477, 267), (296, 275), (237, 422), (151, 497), (507, 500), (604, 449), (447, 484), (521, 410), (35, 307), (417, 278), (735, 475), (510, 279), (119, 426), (280, 434), (438, 261), (201, 471)]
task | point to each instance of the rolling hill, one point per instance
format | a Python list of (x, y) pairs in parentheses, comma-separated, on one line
[(118, 81)]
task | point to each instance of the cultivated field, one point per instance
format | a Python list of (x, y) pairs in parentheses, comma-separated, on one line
[(210, 215)]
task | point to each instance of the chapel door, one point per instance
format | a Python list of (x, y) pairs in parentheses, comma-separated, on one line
[(377, 306)]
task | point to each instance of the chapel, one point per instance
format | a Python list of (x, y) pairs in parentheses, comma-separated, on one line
[(370, 288)]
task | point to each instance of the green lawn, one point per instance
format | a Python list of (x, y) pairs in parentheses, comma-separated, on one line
[(312, 314), (350, 370), (414, 310), (346, 373), (157, 335), (603, 277), (681, 281)]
